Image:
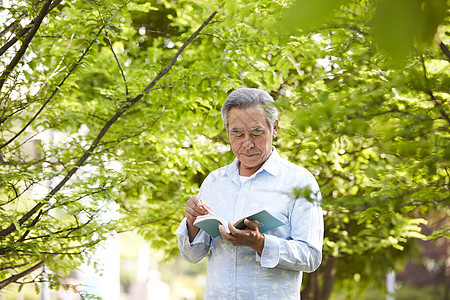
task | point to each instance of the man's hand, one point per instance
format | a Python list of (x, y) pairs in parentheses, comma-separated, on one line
[(195, 207), (250, 236)]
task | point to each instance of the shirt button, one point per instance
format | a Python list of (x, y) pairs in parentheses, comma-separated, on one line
[(231, 275), (233, 250)]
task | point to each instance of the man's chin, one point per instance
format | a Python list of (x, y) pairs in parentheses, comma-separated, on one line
[(250, 163)]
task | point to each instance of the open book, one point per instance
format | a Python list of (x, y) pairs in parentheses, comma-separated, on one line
[(210, 222)]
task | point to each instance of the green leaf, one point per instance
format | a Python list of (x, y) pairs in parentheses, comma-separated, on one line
[(400, 25), (307, 15)]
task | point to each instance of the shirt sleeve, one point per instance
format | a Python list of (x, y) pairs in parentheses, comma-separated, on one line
[(303, 252), (196, 250)]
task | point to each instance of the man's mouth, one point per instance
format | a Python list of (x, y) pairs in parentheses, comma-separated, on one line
[(249, 154)]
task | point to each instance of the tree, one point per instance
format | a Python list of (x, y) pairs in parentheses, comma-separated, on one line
[(70, 90), (376, 135), (123, 118)]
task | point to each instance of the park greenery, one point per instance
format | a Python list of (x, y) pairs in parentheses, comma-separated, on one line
[(110, 120)]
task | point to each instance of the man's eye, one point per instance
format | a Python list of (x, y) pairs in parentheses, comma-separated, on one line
[(259, 133)]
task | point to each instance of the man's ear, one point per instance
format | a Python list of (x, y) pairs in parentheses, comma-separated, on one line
[(275, 129)]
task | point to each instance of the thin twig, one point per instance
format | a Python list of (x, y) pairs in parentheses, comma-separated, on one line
[(57, 70), (196, 10), (12, 227), (115, 57), (174, 59), (58, 86), (17, 276), (445, 50), (18, 266), (280, 4), (213, 35), (13, 25), (430, 92), (24, 31), (21, 52)]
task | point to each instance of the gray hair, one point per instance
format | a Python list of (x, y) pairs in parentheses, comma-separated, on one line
[(245, 98)]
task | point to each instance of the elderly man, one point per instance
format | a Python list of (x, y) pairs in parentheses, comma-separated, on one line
[(246, 264)]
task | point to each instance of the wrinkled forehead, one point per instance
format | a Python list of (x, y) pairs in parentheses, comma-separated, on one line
[(253, 117)]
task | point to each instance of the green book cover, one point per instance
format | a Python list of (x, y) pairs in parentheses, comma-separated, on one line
[(210, 222)]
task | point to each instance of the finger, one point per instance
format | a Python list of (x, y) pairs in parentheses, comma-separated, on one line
[(195, 200), (195, 211), (251, 224), (233, 230), (198, 200), (191, 210), (207, 207), (196, 204), (223, 232)]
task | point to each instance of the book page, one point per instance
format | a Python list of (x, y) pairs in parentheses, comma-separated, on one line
[(213, 217)]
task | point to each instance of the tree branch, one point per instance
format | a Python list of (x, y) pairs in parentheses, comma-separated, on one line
[(445, 50), (59, 85), (115, 57), (21, 52), (22, 238), (18, 266), (11, 42), (13, 25), (174, 59), (12, 227), (430, 93), (17, 276), (213, 35), (142, 224), (118, 63), (23, 31)]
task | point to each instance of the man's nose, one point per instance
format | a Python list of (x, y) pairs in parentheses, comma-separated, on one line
[(248, 143)]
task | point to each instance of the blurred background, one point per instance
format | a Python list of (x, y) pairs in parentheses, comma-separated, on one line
[(130, 269), (110, 120)]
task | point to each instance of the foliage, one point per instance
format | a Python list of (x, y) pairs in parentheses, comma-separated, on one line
[(93, 136), (398, 26), (375, 135), (109, 123)]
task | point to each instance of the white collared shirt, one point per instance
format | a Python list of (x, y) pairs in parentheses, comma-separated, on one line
[(239, 272)]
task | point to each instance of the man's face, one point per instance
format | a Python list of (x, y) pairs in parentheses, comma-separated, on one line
[(250, 137)]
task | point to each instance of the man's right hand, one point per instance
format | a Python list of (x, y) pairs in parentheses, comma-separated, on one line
[(195, 207)]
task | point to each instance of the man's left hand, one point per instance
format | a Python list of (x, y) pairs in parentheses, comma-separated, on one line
[(250, 236)]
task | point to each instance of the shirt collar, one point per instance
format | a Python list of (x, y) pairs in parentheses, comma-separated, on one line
[(271, 165)]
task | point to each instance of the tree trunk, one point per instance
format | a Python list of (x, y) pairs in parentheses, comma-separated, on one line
[(329, 276), (311, 287), (319, 285)]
